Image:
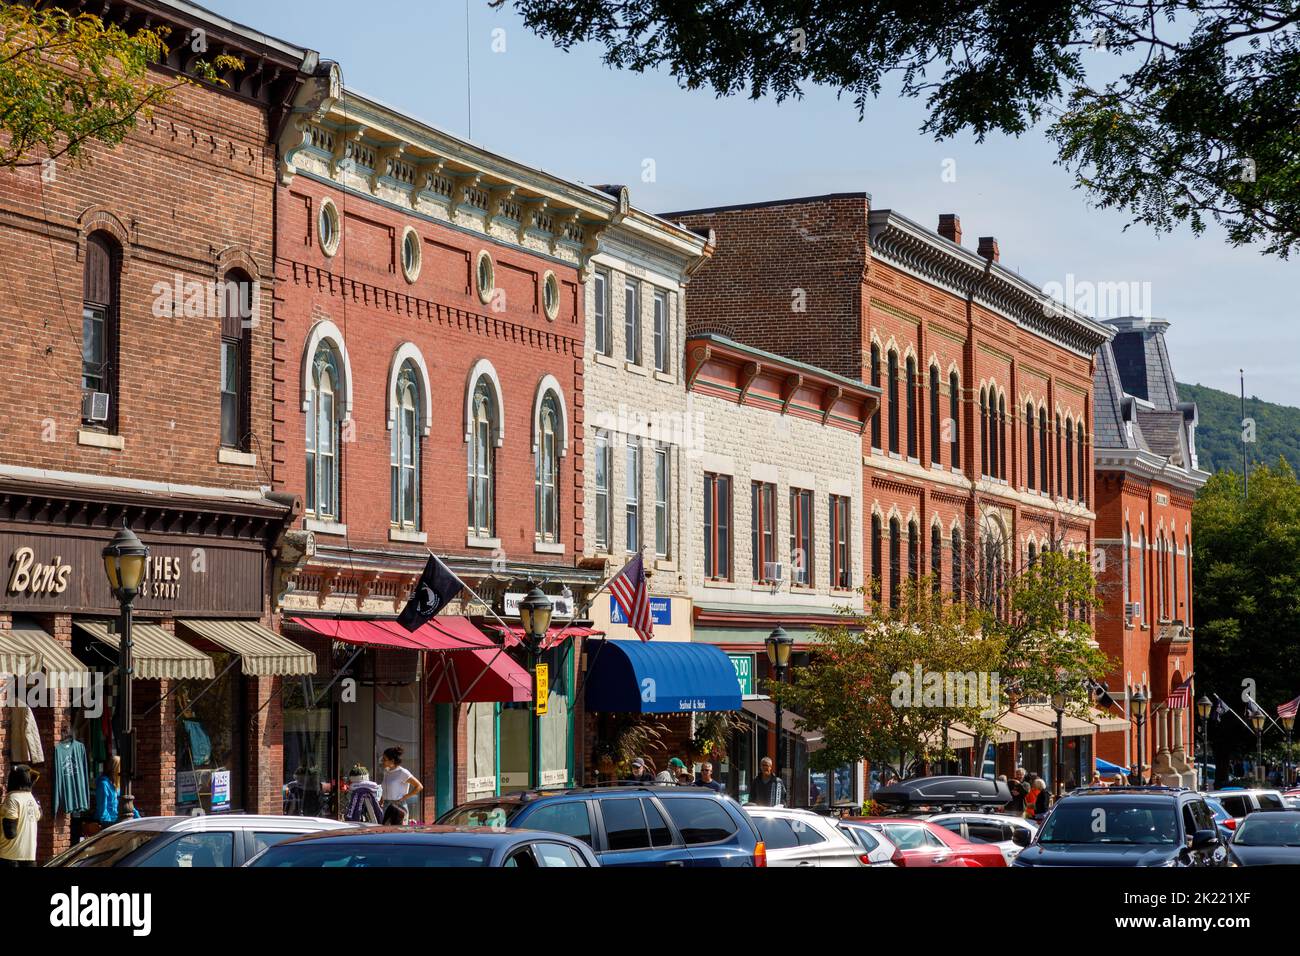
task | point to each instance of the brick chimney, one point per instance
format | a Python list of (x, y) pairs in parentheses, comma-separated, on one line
[(988, 248), (950, 227)]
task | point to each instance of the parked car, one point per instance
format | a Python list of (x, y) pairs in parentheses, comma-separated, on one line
[(213, 840), (630, 826), (1222, 819), (944, 793), (996, 829), (879, 850), (430, 846), (1127, 826), (921, 843), (804, 838), (1267, 837), (1241, 803)]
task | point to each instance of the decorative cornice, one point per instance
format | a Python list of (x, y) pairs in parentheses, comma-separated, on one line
[(1148, 466)]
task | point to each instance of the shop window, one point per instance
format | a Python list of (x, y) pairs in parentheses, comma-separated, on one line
[(554, 724), (717, 527), (208, 774), (99, 337), (309, 750)]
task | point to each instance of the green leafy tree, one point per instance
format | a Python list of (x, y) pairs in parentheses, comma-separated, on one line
[(1194, 121), (68, 79), (1246, 579)]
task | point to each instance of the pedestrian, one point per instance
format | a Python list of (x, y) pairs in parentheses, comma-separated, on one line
[(667, 777), (108, 790), (399, 786), (1096, 780), (1031, 798), (1018, 789), (641, 772), (19, 814), (685, 778), (706, 778), (1043, 799), (767, 789)]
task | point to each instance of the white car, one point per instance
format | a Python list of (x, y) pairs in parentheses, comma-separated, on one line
[(212, 840), (994, 828), (879, 848), (803, 838)]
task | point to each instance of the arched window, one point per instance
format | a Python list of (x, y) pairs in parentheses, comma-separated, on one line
[(1069, 460), (1002, 437), (1083, 469), (1187, 580), (958, 583), (984, 434), (936, 453), (913, 552), (546, 472), (101, 283), (877, 565), (1173, 576), (1033, 554), (481, 454), (324, 399), (405, 451), (1124, 566), (237, 320), (1042, 451), (1142, 574), (1029, 446), (936, 558), (1058, 456), (910, 405), (895, 559), (875, 380), (954, 412), (893, 402)]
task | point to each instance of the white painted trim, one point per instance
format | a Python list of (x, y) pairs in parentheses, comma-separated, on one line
[(229, 456), (74, 478), (548, 547), (550, 384), (409, 351), (93, 439), (473, 541), (408, 535), (325, 527), (481, 368), (325, 330)]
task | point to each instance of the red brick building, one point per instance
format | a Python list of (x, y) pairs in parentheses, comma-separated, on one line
[(428, 396), (135, 325), (1147, 478), (980, 455)]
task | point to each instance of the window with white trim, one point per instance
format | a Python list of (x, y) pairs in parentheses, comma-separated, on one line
[(546, 472), (604, 466), (404, 455), (481, 462), (632, 512), (663, 499), (323, 400)]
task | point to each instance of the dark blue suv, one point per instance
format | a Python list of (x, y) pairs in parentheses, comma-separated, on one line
[(631, 825)]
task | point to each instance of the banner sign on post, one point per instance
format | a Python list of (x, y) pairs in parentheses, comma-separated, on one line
[(541, 689)]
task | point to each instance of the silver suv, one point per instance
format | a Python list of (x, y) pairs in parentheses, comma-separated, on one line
[(1241, 803)]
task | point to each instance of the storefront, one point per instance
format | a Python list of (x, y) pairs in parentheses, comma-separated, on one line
[(203, 663)]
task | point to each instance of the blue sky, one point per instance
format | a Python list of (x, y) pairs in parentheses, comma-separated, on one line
[(570, 114)]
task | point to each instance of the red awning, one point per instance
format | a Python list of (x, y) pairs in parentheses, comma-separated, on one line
[(483, 674), (554, 635)]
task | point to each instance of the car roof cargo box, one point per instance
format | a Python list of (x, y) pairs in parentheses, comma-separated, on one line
[(944, 792)]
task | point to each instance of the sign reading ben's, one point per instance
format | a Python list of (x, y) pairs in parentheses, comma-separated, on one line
[(66, 573)]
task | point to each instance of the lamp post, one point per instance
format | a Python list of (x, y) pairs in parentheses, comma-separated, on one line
[(779, 644), (535, 616), (1288, 723), (1203, 708), (1058, 770), (1257, 720), (124, 562), (1139, 704)]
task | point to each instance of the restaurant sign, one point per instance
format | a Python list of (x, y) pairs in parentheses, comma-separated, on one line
[(66, 573)]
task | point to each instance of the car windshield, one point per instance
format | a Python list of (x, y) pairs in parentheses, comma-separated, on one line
[(494, 815), (108, 847), (1269, 829), (1110, 822), (330, 853)]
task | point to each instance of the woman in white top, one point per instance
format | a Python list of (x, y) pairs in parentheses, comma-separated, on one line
[(19, 814), (399, 786)]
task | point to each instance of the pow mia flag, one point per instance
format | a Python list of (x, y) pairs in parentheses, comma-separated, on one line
[(437, 586)]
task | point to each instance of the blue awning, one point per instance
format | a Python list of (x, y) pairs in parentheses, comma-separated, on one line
[(659, 677), (1105, 766)]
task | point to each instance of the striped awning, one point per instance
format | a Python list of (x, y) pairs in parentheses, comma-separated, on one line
[(15, 656), (61, 669), (262, 652), (156, 653)]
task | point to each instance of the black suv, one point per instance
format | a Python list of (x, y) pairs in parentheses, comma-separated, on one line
[(631, 825), (1127, 826)]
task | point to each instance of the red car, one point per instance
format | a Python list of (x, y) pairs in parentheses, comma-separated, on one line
[(921, 843)]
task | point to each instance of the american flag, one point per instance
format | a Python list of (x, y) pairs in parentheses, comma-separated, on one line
[(1180, 696), (629, 590), (1289, 709)]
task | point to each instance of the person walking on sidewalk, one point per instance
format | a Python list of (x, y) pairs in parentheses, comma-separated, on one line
[(19, 814), (399, 786), (767, 789)]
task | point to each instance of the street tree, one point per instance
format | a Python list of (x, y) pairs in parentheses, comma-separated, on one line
[(1173, 111)]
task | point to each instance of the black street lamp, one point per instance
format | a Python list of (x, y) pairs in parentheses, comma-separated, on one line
[(1257, 720), (1203, 708), (779, 644), (1288, 723), (1058, 771), (124, 563), (535, 616), (1139, 704)]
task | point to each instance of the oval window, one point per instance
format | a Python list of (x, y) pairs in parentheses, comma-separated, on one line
[(328, 227), (411, 255), (551, 295), (485, 276)]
